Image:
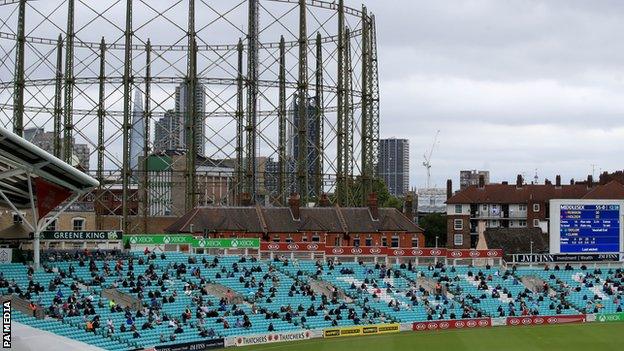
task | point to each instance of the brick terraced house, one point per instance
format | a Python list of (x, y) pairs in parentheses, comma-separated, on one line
[(335, 226)]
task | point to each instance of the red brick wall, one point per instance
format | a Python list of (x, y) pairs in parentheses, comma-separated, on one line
[(450, 230), (405, 239), (531, 215)]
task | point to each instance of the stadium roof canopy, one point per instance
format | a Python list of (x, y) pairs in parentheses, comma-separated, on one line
[(31, 178), (20, 158)]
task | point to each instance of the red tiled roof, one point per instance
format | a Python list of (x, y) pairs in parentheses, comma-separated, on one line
[(280, 220), (510, 194), (611, 190)]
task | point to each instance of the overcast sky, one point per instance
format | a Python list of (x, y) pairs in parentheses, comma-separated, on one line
[(513, 86)]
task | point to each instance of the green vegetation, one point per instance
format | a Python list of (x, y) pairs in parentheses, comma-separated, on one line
[(565, 337), (434, 225), (384, 198)]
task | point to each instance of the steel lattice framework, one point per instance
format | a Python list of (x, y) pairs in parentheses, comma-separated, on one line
[(280, 96)]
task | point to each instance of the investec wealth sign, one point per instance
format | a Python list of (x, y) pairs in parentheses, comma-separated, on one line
[(94, 235)]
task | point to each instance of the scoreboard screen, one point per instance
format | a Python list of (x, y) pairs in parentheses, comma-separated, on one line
[(589, 228)]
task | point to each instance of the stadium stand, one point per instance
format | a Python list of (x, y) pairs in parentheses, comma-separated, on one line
[(277, 295)]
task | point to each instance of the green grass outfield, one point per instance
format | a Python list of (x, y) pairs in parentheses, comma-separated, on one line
[(567, 337)]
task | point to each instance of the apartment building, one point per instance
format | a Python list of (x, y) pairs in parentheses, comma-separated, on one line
[(479, 207)]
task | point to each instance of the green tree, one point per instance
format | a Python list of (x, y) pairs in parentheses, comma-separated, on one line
[(384, 198), (434, 225)]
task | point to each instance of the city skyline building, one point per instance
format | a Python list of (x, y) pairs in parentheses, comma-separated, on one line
[(393, 166), (292, 151), (137, 133), (181, 108), (45, 141)]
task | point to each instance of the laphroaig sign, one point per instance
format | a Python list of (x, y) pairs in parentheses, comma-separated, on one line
[(267, 338), (362, 330), (610, 317)]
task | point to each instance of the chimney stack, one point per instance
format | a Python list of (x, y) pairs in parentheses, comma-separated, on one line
[(408, 208), (519, 181), (604, 178), (547, 182), (590, 181), (324, 200), (294, 201), (245, 199), (505, 182), (372, 206), (558, 181), (572, 182), (481, 181), (449, 188)]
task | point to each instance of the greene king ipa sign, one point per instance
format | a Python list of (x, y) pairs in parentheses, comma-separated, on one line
[(81, 235)]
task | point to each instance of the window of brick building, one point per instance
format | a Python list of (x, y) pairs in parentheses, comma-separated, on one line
[(17, 219), (356, 241), (395, 241), (415, 241), (78, 223), (458, 240), (52, 225), (536, 207), (458, 224), (369, 241), (384, 241), (458, 208)]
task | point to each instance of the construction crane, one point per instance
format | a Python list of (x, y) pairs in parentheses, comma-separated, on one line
[(427, 162)]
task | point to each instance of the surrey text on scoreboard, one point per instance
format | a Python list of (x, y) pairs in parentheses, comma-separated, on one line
[(589, 228)]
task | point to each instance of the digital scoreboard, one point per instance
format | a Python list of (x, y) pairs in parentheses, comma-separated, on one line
[(585, 226), (589, 228)]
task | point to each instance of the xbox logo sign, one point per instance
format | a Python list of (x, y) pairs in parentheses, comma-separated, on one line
[(202, 243), (133, 240), (166, 240), (234, 243)]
